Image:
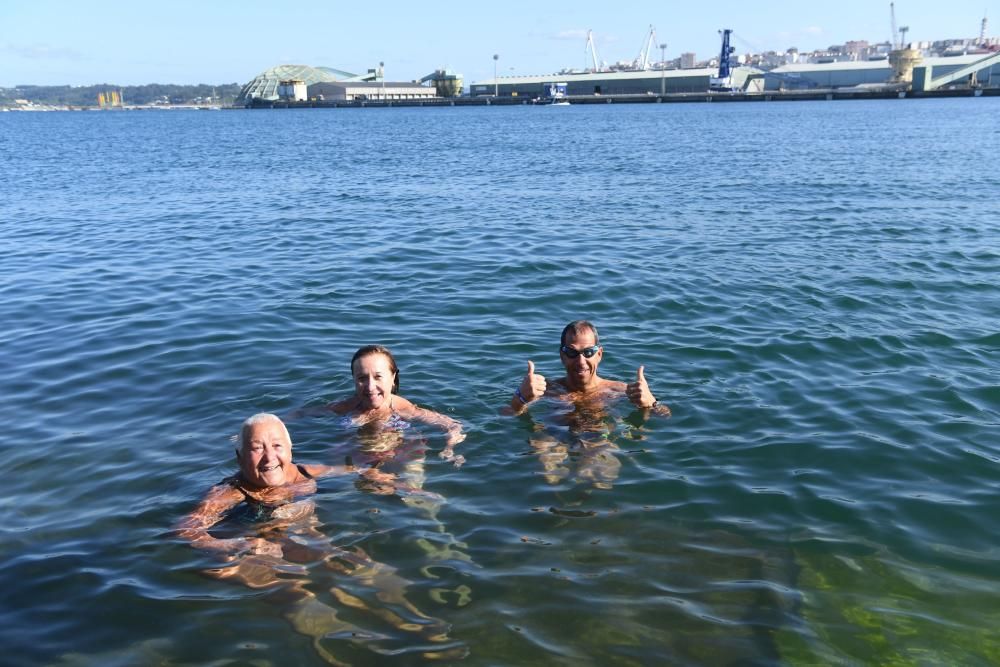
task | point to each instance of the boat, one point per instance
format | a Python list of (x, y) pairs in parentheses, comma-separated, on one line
[(553, 94)]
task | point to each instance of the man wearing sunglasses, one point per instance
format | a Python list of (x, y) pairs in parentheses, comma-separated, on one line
[(580, 352)]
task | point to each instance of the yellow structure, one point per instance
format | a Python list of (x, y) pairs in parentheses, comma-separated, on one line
[(110, 100), (902, 62)]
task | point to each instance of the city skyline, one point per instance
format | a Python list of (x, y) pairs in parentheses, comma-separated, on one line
[(55, 42)]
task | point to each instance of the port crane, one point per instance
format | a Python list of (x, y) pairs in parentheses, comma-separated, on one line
[(892, 25), (724, 82), (592, 49), (642, 62), (898, 40)]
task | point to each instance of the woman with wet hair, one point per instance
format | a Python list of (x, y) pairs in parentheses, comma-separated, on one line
[(377, 408)]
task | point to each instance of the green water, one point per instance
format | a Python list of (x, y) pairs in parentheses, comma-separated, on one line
[(811, 287)]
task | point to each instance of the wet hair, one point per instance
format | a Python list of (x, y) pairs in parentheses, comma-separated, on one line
[(577, 327), (259, 418), (379, 349)]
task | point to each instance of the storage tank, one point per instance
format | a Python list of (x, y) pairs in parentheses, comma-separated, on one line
[(902, 62)]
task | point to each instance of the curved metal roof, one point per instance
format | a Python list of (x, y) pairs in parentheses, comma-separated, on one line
[(265, 84)]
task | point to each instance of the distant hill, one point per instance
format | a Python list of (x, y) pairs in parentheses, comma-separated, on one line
[(153, 93)]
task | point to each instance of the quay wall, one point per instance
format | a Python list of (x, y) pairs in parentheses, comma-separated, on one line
[(669, 98)]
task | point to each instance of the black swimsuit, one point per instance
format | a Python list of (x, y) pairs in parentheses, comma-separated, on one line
[(258, 510)]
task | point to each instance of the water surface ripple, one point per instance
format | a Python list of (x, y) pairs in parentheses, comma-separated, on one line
[(812, 287)]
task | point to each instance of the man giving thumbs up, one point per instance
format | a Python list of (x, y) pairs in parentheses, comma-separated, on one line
[(580, 352)]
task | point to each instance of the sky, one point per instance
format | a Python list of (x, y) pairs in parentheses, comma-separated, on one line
[(134, 42)]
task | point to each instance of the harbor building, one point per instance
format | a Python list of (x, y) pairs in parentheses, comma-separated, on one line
[(387, 91), (793, 76), (303, 83), (868, 73), (268, 84), (293, 90), (643, 82)]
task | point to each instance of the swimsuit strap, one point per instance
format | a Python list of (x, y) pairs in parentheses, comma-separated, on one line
[(237, 484), (303, 471)]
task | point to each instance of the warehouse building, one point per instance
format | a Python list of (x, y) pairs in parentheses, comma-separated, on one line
[(866, 73), (340, 91), (642, 82)]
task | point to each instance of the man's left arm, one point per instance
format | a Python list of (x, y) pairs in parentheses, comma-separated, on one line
[(641, 397)]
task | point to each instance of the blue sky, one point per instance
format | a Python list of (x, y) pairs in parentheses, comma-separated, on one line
[(83, 42)]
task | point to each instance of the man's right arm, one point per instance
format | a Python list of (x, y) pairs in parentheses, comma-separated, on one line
[(532, 388)]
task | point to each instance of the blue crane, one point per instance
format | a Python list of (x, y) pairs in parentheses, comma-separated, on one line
[(724, 81)]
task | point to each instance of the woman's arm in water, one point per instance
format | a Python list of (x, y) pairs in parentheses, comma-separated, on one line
[(195, 526), (320, 470), (336, 407), (452, 427)]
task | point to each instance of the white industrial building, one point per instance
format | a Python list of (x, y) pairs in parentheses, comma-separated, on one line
[(388, 91)]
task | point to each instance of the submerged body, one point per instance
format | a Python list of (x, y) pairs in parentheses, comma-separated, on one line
[(383, 420), (270, 500), (588, 398), (581, 353)]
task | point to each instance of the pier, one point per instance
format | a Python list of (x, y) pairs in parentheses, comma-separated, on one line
[(669, 98)]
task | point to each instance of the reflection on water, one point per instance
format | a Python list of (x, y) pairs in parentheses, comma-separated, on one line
[(576, 441), (826, 338), (332, 595)]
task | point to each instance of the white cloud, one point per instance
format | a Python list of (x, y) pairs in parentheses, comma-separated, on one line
[(571, 35), (42, 52)]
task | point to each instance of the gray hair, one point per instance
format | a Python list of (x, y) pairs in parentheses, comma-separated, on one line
[(259, 418)]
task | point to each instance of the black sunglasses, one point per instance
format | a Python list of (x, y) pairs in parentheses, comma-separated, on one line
[(587, 352)]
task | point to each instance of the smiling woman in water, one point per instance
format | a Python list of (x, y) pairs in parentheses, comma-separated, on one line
[(377, 407), (268, 481)]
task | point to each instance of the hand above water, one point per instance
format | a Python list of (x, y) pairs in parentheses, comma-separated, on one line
[(532, 386), (638, 392)]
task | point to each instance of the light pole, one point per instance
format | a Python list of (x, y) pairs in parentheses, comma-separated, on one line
[(663, 68), (496, 84), (381, 74)]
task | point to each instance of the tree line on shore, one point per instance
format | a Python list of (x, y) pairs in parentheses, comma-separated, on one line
[(152, 93)]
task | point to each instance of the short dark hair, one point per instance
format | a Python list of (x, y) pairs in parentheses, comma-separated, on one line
[(577, 327), (379, 349)]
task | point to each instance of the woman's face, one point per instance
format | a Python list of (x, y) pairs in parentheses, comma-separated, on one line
[(373, 380), (266, 455)]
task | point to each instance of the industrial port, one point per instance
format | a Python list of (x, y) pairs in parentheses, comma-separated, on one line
[(855, 70), (895, 68)]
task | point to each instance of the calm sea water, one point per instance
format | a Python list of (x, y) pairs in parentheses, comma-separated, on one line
[(812, 287)]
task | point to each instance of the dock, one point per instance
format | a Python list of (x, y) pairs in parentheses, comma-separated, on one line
[(669, 98)]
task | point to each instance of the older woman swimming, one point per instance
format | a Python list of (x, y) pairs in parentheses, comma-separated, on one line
[(377, 407), (267, 480), (286, 545)]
